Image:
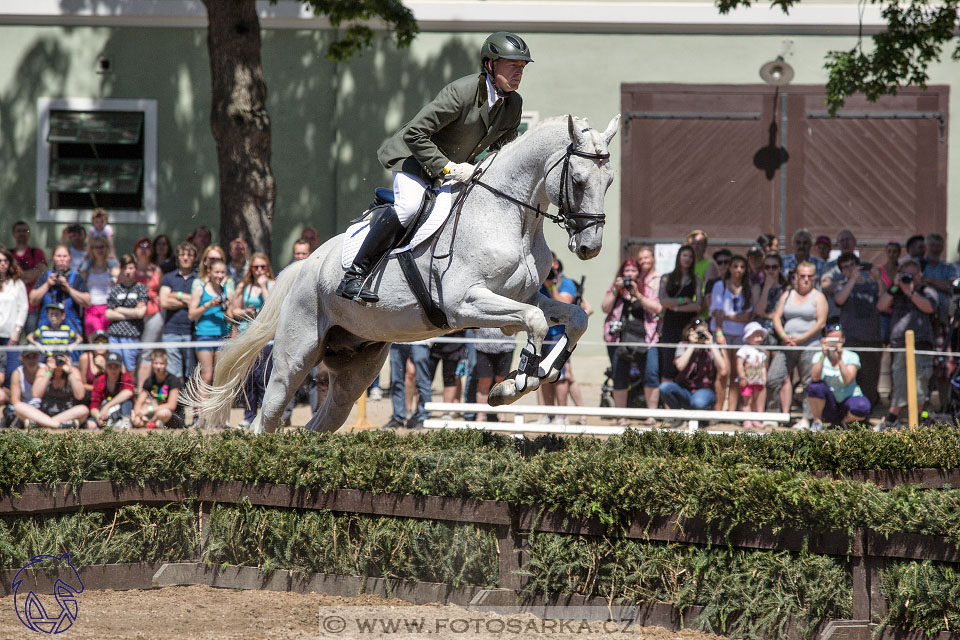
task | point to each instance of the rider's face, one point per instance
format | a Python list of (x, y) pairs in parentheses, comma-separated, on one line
[(508, 73)]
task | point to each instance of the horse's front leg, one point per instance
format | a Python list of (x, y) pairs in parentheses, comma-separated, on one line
[(483, 308), (574, 320)]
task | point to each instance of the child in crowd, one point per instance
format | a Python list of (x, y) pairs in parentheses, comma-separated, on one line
[(111, 400), (752, 371), (102, 229), (55, 333), (156, 404)]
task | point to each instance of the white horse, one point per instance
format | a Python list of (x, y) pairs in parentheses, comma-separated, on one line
[(484, 270)]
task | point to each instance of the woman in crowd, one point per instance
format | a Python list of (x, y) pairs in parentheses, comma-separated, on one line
[(493, 362), (149, 275), (774, 284), (641, 323), (800, 316), (93, 363), (48, 394), (163, 254), (612, 305), (245, 304), (111, 402), (13, 307), (100, 280), (888, 274), (209, 310), (207, 256), (721, 258), (833, 394), (697, 370), (681, 303), (731, 308)]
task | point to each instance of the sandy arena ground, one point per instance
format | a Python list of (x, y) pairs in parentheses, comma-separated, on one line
[(205, 613)]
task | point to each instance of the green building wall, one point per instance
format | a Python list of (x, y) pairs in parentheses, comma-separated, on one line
[(329, 118)]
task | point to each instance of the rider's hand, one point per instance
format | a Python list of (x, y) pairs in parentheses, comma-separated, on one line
[(459, 171)]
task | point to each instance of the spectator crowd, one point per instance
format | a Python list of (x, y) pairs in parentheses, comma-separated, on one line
[(706, 335)]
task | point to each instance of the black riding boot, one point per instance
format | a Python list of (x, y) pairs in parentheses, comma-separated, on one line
[(384, 229)]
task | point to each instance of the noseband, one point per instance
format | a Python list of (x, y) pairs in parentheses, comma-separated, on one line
[(564, 218)]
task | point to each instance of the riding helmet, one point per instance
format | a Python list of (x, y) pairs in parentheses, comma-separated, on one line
[(503, 44)]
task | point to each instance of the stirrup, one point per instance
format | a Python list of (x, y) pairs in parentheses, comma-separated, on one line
[(361, 295)]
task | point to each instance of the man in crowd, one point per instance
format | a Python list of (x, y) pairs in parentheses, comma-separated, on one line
[(916, 251), (175, 291), (822, 247), (77, 239), (914, 304), (940, 276), (802, 244)]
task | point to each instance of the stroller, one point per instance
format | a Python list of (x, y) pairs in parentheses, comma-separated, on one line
[(635, 398)]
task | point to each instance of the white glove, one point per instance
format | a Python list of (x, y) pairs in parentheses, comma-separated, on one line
[(459, 171)]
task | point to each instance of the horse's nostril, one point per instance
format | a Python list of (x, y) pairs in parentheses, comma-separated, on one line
[(583, 249)]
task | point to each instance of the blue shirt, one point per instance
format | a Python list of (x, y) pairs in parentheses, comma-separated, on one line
[(564, 285), (73, 315), (178, 322), (832, 377)]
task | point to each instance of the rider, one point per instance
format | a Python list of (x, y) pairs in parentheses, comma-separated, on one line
[(441, 142)]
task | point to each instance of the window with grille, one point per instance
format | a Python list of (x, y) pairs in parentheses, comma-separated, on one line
[(97, 154)]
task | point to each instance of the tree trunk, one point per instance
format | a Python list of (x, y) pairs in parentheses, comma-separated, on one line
[(240, 122)]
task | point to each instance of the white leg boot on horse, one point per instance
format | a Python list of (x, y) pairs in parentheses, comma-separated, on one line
[(483, 269)]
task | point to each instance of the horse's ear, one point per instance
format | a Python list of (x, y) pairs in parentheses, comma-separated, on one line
[(611, 129), (576, 136)]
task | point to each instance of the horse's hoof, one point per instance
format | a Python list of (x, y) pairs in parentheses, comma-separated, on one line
[(502, 393)]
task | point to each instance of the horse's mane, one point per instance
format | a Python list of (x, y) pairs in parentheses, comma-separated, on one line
[(548, 127)]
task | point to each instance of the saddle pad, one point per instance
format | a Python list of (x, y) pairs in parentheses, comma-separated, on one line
[(355, 233)]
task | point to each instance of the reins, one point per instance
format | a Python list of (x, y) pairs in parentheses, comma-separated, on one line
[(563, 217)]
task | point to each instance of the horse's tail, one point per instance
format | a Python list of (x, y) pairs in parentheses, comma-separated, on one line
[(240, 355)]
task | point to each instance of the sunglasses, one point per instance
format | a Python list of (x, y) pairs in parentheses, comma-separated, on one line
[(832, 327), (259, 266), (771, 267), (804, 276), (143, 245), (723, 262), (698, 322)]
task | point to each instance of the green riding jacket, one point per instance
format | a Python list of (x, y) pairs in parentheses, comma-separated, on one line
[(455, 127)]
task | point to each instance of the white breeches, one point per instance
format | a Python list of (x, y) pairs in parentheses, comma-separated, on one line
[(408, 195)]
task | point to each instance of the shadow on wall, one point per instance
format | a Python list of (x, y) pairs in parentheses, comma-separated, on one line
[(42, 71), (378, 85)]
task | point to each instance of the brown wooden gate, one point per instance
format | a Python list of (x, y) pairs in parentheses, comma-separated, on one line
[(740, 160)]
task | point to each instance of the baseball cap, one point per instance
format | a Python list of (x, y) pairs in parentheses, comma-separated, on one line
[(99, 336), (823, 240), (56, 305), (755, 250), (114, 358), (752, 328)]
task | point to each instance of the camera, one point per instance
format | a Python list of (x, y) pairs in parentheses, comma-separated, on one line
[(61, 359), (614, 328), (701, 335), (627, 282), (224, 303), (955, 286), (552, 275), (906, 278), (866, 266)]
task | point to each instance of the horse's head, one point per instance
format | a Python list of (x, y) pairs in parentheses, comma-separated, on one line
[(580, 184)]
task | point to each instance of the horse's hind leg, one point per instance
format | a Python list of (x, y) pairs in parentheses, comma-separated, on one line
[(350, 375), (292, 360)]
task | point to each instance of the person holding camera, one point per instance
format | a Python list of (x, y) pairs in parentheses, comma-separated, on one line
[(855, 293), (63, 286), (637, 291), (697, 370), (833, 394), (50, 393), (126, 308), (913, 306), (209, 310)]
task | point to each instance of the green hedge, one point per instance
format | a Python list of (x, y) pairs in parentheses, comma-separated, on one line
[(350, 544), (724, 480), (746, 594), (134, 533)]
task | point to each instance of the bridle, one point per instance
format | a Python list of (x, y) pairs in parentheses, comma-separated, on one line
[(564, 218)]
